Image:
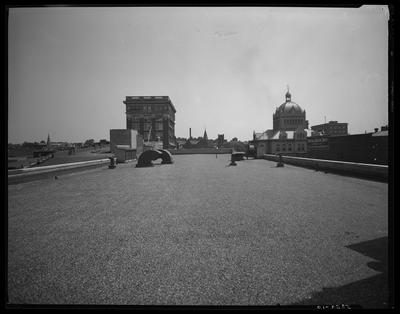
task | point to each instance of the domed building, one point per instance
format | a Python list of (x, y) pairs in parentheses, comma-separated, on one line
[(289, 133), (289, 116)]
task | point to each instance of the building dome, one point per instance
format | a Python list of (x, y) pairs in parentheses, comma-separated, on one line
[(289, 115), (290, 107)]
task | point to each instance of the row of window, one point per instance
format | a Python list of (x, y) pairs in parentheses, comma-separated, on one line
[(146, 126), (300, 135), (293, 121), (145, 119), (283, 136), (158, 135), (149, 108), (300, 147), (135, 124), (330, 128), (337, 131), (336, 126)]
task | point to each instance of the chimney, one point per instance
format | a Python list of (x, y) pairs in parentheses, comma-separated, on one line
[(190, 133)]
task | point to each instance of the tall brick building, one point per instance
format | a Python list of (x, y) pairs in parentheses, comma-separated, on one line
[(153, 117)]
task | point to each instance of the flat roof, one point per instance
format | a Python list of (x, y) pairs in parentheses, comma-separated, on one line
[(330, 123), (193, 232), (381, 133)]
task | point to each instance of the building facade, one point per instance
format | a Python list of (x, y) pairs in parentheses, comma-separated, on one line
[(289, 133), (153, 117), (370, 148), (332, 128)]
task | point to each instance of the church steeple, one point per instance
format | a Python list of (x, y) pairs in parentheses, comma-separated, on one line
[(288, 96), (48, 141), (205, 135)]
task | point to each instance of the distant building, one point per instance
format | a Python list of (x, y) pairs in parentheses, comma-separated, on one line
[(202, 142), (59, 145), (220, 140), (191, 143), (104, 142), (153, 117), (180, 142), (289, 133), (370, 148), (332, 128)]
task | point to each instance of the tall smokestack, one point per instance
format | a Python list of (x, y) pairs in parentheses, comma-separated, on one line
[(190, 133)]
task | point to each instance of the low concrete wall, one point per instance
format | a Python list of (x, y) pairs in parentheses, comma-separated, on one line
[(185, 151), (378, 172), (31, 174)]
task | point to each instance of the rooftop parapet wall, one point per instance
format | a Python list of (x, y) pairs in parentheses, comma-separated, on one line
[(148, 97), (31, 174), (188, 151), (376, 172)]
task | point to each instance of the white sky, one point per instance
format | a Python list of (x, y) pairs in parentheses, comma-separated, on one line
[(224, 68)]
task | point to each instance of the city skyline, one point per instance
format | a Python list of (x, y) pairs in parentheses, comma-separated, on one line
[(225, 69)]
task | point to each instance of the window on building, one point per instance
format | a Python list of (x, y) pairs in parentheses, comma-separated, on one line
[(159, 125), (278, 147), (159, 134), (284, 147), (289, 147), (147, 126)]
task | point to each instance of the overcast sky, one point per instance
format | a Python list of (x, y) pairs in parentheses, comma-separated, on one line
[(224, 68)]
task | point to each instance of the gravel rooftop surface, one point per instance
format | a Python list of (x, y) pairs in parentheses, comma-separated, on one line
[(198, 232)]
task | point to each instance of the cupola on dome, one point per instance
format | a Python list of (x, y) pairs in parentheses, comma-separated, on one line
[(289, 105)]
